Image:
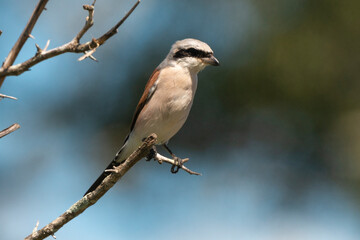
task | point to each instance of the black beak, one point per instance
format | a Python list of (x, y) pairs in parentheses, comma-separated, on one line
[(212, 61)]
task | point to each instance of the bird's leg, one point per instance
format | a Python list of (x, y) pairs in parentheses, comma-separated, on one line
[(152, 154), (178, 161)]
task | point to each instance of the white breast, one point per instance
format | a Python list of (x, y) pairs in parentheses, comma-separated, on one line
[(169, 107)]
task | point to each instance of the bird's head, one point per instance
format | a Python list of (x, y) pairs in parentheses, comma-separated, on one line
[(192, 54)]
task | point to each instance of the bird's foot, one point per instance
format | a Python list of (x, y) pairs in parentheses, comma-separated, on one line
[(152, 154), (177, 165)]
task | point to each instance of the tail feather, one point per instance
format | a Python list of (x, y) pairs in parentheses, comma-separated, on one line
[(104, 174), (101, 178), (129, 146)]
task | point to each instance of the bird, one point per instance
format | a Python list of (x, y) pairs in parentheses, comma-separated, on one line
[(167, 99)]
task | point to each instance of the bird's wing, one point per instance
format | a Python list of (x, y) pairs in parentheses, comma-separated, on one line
[(148, 92)]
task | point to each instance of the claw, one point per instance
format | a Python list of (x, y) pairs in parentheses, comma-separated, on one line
[(152, 154), (178, 163)]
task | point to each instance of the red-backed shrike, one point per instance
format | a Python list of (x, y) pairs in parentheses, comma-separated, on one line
[(166, 102)]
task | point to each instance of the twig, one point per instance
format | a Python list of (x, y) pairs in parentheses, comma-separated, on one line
[(89, 21), (23, 37), (9, 130), (6, 96), (92, 197), (162, 159), (73, 46)]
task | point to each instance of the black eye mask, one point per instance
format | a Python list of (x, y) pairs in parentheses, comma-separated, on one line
[(191, 52)]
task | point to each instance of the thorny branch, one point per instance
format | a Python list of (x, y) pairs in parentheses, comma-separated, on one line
[(73, 46), (22, 39)]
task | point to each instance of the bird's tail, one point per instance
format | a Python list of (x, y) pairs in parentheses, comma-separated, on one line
[(130, 145), (101, 178), (119, 159)]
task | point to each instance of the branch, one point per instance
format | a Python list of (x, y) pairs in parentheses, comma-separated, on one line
[(92, 197), (160, 158), (73, 46), (9, 130), (23, 37), (89, 21)]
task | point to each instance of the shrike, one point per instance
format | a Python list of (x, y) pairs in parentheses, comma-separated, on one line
[(166, 102)]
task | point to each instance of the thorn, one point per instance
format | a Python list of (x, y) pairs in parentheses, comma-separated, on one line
[(36, 227), (45, 8), (185, 160), (53, 236), (93, 3), (31, 36), (0, 32), (87, 54), (93, 58), (47, 45), (39, 50), (111, 170), (6, 96)]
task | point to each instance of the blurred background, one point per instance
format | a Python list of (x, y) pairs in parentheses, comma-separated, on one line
[(275, 130)]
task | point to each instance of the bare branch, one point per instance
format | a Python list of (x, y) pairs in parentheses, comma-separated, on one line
[(6, 96), (115, 175), (73, 46), (92, 197), (9, 130), (23, 37)]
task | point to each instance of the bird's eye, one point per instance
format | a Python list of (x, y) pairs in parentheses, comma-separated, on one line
[(193, 52), (196, 53)]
